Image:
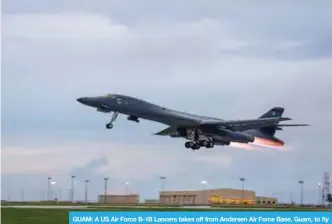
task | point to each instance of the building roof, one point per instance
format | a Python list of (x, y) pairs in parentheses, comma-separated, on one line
[(205, 190)]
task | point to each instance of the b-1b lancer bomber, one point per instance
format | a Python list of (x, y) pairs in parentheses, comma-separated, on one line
[(200, 131)]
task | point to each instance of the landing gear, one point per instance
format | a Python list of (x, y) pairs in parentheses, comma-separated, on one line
[(192, 145), (203, 143), (210, 145), (114, 116), (109, 126), (195, 135), (189, 144), (198, 145)]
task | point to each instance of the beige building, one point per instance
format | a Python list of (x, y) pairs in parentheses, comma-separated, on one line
[(119, 199), (266, 200), (213, 196)]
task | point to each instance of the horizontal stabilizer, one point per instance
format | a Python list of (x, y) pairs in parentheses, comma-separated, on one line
[(271, 130), (292, 125), (241, 125)]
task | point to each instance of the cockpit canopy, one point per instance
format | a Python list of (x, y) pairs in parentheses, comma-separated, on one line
[(109, 95)]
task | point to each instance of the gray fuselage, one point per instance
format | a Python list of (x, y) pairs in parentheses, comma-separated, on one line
[(138, 108), (132, 106)]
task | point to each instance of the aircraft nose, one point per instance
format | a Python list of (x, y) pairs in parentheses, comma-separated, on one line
[(81, 100)]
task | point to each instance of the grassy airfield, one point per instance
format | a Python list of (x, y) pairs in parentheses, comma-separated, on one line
[(59, 215)]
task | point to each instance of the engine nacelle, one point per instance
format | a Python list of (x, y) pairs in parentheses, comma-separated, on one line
[(236, 136), (240, 137), (220, 142)]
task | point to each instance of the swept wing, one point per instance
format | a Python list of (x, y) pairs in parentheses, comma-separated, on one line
[(168, 131), (235, 125)]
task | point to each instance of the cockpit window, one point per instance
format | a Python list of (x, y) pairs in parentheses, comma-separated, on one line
[(110, 95)]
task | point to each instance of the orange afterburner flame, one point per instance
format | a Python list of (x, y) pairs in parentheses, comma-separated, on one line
[(258, 144), (267, 143), (244, 146)]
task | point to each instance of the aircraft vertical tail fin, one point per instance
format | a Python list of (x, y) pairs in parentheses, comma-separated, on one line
[(274, 112)]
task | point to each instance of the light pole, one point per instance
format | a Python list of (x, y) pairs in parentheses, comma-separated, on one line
[(319, 192), (301, 182), (127, 187), (203, 183), (105, 189), (291, 197), (60, 194), (48, 187), (127, 192), (162, 179), (22, 195), (86, 190), (52, 183), (72, 188), (242, 179)]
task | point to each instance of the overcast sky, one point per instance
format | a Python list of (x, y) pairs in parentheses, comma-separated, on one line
[(228, 59)]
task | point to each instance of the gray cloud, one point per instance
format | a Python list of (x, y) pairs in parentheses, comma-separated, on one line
[(241, 59)]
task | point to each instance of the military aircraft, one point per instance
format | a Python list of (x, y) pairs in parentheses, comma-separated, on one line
[(201, 131)]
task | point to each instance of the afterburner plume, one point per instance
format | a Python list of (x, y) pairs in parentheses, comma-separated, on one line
[(243, 146), (268, 143)]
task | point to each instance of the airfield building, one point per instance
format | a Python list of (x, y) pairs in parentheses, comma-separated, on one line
[(214, 196), (198, 197), (119, 199)]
